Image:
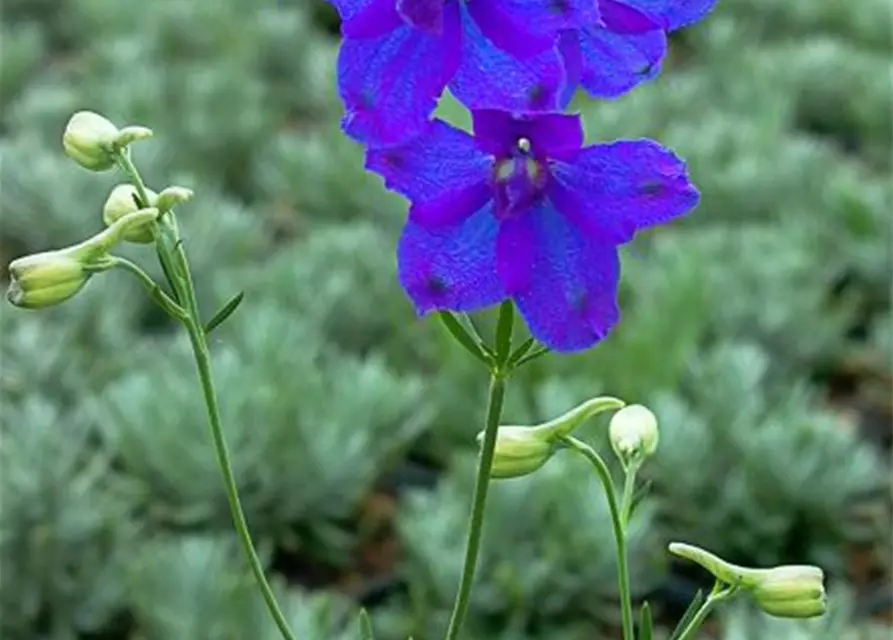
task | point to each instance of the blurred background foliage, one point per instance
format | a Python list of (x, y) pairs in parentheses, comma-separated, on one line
[(759, 329)]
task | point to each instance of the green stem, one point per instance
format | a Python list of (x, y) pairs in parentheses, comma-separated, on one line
[(717, 595), (203, 362), (604, 476), (155, 292), (183, 285), (499, 371), (476, 522), (629, 486)]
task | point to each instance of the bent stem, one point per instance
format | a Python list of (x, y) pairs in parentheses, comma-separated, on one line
[(717, 595), (167, 236), (617, 521), (476, 521), (499, 371)]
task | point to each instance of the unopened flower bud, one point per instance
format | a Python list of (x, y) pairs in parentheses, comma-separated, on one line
[(521, 450), (131, 134), (787, 591), (51, 277), (792, 591), (45, 279), (123, 201), (633, 432), (89, 140), (170, 197)]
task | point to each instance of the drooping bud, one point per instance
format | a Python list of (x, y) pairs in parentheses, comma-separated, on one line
[(791, 591), (521, 450), (89, 140), (170, 197), (122, 201), (45, 279), (52, 277), (131, 134), (633, 432), (787, 591)]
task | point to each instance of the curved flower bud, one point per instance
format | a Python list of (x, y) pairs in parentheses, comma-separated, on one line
[(788, 591), (633, 432), (791, 591), (51, 277), (89, 140), (521, 450), (123, 201), (45, 279), (170, 197), (131, 134)]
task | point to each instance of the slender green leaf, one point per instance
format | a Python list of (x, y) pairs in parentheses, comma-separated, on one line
[(460, 333), (645, 624), (365, 626), (533, 355), (689, 614), (639, 495), (520, 352), (504, 328), (225, 312)]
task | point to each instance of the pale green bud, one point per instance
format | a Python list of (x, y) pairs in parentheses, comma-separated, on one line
[(45, 279), (791, 591), (521, 450), (173, 196), (121, 202), (51, 277), (633, 432), (788, 591), (131, 134), (89, 140)]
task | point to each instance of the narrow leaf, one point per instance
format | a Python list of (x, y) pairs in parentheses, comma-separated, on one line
[(225, 312), (689, 614), (462, 336), (365, 626), (533, 355), (520, 352), (645, 623), (168, 275), (504, 328), (639, 494)]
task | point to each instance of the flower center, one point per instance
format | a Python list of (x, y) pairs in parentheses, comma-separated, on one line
[(519, 180)]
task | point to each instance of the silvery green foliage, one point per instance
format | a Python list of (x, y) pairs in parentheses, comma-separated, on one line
[(333, 280), (333, 185), (21, 48), (741, 621), (322, 424), (777, 472), (548, 552), (63, 531), (198, 587)]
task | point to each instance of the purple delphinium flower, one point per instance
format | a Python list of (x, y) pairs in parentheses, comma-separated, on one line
[(399, 55), (522, 210), (626, 46)]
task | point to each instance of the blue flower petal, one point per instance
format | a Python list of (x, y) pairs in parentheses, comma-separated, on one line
[(611, 191), (451, 267), (390, 85), (347, 9), (440, 161), (564, 284), (608, 64), (674, 14), (490, 78)]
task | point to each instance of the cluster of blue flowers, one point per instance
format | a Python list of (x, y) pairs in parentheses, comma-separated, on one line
[(519, 209)]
